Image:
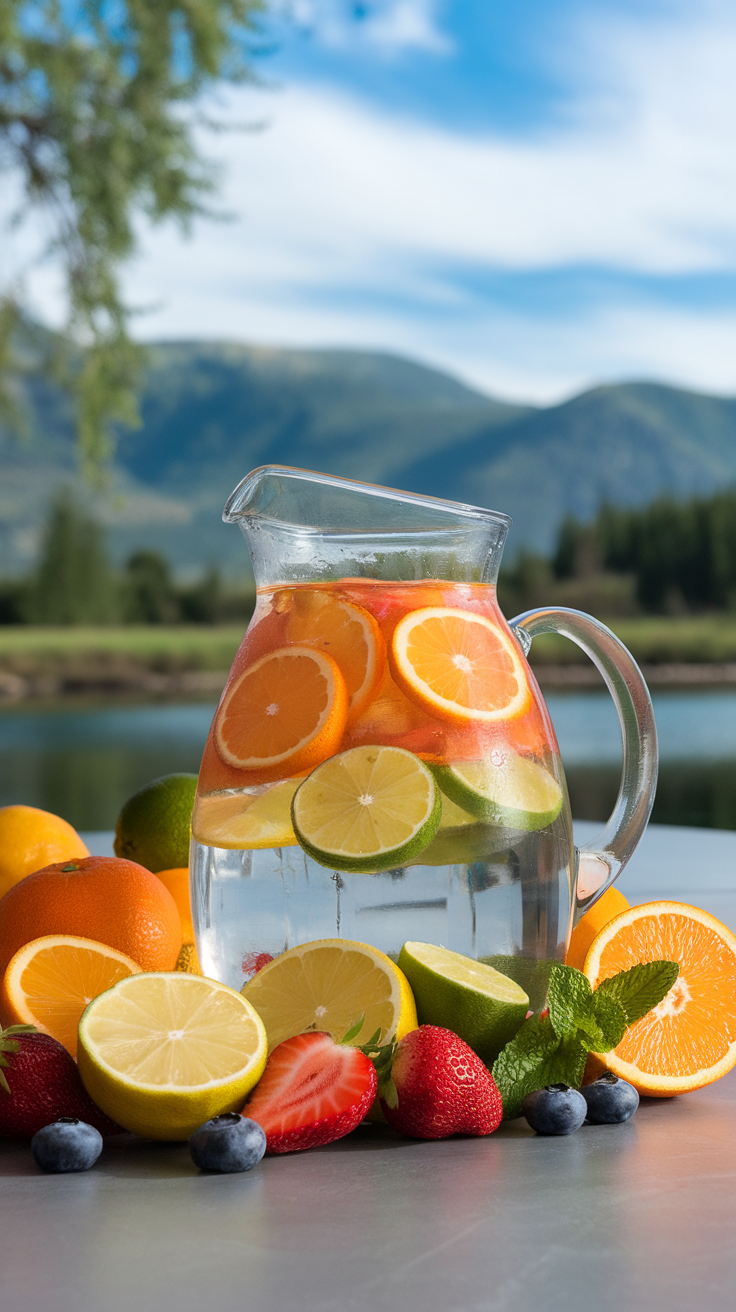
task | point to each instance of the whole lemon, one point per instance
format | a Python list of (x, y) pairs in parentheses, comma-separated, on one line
[(30, 839)]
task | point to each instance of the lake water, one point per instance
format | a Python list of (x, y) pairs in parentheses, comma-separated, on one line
[(84, 763)]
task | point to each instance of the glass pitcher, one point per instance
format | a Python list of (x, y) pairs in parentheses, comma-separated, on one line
[(382, 765)]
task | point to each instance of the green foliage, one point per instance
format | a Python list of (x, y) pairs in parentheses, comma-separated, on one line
[(682, 554), (98, 106), (149, 596), (74, 583)]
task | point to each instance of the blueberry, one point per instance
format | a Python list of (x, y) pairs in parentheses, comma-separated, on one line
[(558, 1109), (610, 1100), (66, 1145), (228, 1143)]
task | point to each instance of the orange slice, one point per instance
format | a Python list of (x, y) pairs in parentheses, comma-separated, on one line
[(347, 633), (458, 666), (609, 904), (50, 981), (284, 714), (689, 1040)]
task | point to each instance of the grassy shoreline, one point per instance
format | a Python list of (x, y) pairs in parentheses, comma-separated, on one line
[(192, 660)]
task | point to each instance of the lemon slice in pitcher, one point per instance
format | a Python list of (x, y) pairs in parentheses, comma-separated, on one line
[(261, 818), (518, 792), (370, 808)]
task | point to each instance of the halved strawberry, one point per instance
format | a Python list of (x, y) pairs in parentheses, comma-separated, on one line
[(312, 1091)]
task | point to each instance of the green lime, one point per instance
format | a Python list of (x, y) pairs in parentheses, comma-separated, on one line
[(473, 1000), (464, 845), (367, 809), (155, 825), (518, 793)]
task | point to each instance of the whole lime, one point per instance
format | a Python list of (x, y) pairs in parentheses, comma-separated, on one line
[(155, 825)]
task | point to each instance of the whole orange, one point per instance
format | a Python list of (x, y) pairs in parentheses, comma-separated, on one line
[(177, 882), (31, 838), (609, 904), (99, 897)]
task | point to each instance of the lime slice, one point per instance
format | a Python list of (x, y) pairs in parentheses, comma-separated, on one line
[(518, 792), (260, 817), (368, 809), (464, 845), (473, 1000)]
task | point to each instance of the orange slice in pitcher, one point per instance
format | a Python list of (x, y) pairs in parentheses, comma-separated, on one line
[(347, 633), (49, 982), (284, 714), (458, 666), (689, 1039)]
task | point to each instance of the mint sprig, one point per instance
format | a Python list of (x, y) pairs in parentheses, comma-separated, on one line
[(553, 1048)]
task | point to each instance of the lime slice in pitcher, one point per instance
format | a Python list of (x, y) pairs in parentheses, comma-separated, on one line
[(515, 792), (367, 809)]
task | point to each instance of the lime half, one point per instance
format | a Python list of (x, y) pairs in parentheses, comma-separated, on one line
[(473, 1000), (517, 792), (367, 809)]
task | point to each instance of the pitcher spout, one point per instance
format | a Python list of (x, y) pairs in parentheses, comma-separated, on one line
[(301, 525)]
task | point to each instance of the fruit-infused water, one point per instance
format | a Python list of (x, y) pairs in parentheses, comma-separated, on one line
[(381, 767)]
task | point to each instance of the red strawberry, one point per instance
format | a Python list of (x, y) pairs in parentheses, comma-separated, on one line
[(442, 1087), (312, 1091), (39, 1082)]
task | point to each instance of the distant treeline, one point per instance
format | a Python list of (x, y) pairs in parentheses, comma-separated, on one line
[(669, 557), (75, 583)]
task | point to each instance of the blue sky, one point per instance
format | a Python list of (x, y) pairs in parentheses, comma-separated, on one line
[(536, 196)]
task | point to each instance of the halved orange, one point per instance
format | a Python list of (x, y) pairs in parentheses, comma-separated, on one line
[(689, 1039), (349, 634), (284, 714), (50, 981), (458, 666)]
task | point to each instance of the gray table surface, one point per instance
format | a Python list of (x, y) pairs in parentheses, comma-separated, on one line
[(639, 1216)]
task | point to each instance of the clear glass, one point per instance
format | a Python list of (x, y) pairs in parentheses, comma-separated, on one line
[(500, 886)]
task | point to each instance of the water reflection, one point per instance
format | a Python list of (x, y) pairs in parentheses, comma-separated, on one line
[(83, 763)]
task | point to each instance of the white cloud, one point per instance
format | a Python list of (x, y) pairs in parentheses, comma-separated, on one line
[(359, 227)]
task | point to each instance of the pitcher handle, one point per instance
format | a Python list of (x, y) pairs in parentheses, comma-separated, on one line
[(602, 860)]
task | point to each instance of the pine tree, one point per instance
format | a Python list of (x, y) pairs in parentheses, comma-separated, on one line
[(74, 583)]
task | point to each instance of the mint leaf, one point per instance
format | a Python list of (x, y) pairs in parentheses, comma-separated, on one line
[(535, 1057), (570, 1000), (611, 1020), (641, 988)]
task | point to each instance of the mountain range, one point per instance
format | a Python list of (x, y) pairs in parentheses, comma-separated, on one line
[(211, 412)]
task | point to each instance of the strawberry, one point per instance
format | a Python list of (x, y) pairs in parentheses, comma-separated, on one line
[(312, 1091), (438, 1087), (39, 1082)]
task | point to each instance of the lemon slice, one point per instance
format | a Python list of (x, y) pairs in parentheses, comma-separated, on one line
[(468, 997), (169, 1053), (370, 808), (518, 793), (328, 985), (260, 817)]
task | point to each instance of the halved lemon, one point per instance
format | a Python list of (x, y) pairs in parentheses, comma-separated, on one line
[(328, 985), (504, 788), (459, 666), (162, 1053), (283, 714), (689, 1039), (369, 808), (50, 981), (321, 618), (260, 817)]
